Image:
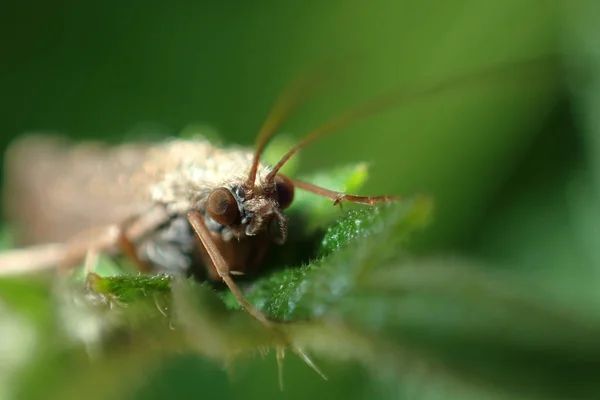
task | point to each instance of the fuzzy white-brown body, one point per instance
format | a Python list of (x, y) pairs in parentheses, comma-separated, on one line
[(54, 190), (185, 171)]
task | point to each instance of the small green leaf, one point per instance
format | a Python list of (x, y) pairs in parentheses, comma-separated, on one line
[(129, 288), (309, 290), (318, 212)]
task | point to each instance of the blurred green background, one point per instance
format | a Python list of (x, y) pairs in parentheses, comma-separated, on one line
[(113, 71), (511, 163)]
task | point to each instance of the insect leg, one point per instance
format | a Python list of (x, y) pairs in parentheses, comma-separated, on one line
[(31, 259), (339, 197), (197, 221), (97, 240), (129, 249), (91, 261), (113, 238)]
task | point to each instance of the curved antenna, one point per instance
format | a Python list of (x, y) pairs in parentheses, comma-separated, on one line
[(302, 87), (399, 97), (284, 105)]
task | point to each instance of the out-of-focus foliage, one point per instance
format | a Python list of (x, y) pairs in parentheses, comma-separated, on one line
[(496, 298)]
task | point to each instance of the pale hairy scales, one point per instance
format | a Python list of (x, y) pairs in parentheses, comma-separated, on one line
[(54, 190)]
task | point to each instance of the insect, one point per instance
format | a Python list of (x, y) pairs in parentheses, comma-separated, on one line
[(182, 206)]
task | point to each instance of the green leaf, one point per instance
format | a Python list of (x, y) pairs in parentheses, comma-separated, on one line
[(361, 296), (357, 243), (316, 212), (128, 288)]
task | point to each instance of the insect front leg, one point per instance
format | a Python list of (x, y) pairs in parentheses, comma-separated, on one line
[(339, 197), (223, 270), (113, 239), (197, 221), (31, 259), (82, 247)]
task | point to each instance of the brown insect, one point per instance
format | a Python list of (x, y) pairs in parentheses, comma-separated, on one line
[(154, 201), (180, 206)]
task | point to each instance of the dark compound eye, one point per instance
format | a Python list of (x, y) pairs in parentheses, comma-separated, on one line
[(284, 190), (222, 207)]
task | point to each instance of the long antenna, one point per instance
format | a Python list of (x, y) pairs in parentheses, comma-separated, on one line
[(399, 97), (302, 87), (284, 105)]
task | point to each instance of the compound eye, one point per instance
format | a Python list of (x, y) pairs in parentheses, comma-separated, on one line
[(284, 190), (222, 207)]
